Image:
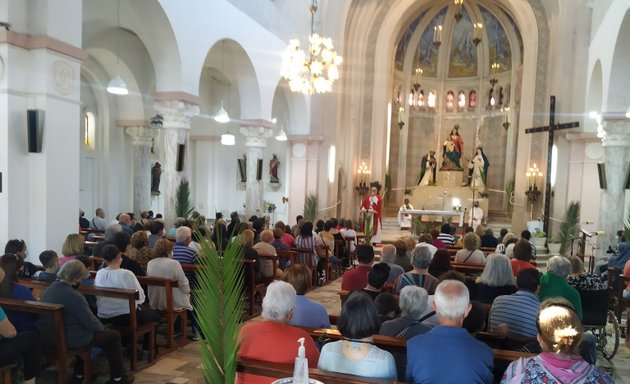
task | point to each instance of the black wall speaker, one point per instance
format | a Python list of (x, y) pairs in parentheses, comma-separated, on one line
[(601, 172), (181, 154), (259, 170), (35, 129)]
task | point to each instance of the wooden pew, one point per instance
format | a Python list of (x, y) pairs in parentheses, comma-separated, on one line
[(61, 354), (278, 371), (6, 370), (133, 330), (170, 313), (291, 255), (468, 269), (308, 262)]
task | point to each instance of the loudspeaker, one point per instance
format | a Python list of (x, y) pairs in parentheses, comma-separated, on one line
[(35, 129), (181, 154), (601, 172), (259, 170)]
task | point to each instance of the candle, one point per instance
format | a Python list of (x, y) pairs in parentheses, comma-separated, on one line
[(401, 115)]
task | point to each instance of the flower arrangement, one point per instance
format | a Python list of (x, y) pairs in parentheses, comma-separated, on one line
[(270, 207)]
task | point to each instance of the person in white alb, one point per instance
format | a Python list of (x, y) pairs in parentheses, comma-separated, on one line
[(475, 216), (404, 219)]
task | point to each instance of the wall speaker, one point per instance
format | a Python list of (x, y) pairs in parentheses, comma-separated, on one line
[(259, 170), (601, 172), (35, 129), (181, 154)]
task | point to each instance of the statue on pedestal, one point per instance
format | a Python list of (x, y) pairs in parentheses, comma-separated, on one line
[(453, 148), (274, 163), (156, 174), (428, 165)]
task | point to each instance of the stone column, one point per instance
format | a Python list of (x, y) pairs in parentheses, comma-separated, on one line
[(142, 139), (177, 116), (616, 142), (255, 141), (303, 172)]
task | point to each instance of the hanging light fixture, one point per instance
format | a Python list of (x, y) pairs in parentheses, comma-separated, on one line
[(117, 85), (228, 139), (222, 116), (314, 71), (282, 136), (459, 4)]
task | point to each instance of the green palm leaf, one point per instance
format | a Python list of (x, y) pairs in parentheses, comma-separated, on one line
[(310, 207), (570, 226), (183, 204), (626, 227), (219, 308)]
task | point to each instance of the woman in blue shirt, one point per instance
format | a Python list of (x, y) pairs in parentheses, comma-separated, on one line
[(12, 265)]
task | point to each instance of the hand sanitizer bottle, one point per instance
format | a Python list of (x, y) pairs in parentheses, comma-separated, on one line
[(300, 370)]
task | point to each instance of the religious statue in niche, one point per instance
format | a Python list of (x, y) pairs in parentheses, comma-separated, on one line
[(452, 151), (478, 170), (242, 168), (428, 165), (156, 174), (274, 163), (450, 99), (472, 99)]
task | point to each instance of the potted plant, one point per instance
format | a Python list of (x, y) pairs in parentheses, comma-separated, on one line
[(570, 227), (183, 205), (539, 238), (310, 206)]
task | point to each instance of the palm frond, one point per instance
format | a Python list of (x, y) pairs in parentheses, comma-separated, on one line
[(626, 227), (310, 206), (570, 226), (183, 204), (219, 305)]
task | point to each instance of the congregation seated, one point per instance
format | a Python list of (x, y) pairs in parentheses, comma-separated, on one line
[(89, 266), (19, 248), (470, 252), (427, 240), (162, 265), (413, 303), (459, 243), (445, 235), (108, 238), (287, 237), (580, 279), (81, 327), (98, 222), (247, 243), (124, 220), (283, 261), (522, 255), (516, 314), (387, 306), (527, 235), (475, 321), (357, 278), (440, 263), (140, 251), (553, 283), (72, 247), (17, 346), (305, 240), (272, 339), (419, 276), (388, 256), (9, 288), (356, 354), (508, 238), (377, 277), (448, 353), (113, 310), (279, 235), (560, 333), (487, 238), (156, 228), (50, 261), (348, 232), (437, 243), (122, 241), (264, 248), (402, 258), (220, 235), (495, 280), (429, 313), (307, 313), (619, 259)]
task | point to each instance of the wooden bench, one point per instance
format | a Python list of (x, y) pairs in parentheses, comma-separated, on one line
[(170, 312), (308, 262), (468, 269), (279, 370), (291, 255), (61, 354), (6, 370), (133, 330)]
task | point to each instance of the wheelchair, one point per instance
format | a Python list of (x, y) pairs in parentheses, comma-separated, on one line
[(598, 319)]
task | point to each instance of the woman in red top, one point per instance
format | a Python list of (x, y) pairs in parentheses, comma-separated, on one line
[(522, 256)]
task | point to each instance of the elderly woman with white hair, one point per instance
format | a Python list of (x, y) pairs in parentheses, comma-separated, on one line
[(388, 256), (495, 280), (419, 275), (554, 283), (273, 340), (412, 302)]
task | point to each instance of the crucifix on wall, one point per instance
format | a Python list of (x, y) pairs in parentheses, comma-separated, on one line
[(551, 129)]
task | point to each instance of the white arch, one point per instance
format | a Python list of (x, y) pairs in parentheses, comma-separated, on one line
[(618, 94), (594, 96)]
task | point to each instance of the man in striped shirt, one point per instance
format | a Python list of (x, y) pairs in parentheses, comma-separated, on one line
[(445, 235), (181, 251), (519, 310)]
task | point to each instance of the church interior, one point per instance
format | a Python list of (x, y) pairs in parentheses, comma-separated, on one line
[(275, 107)]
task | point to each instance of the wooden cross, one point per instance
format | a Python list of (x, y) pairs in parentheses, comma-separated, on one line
[(551, 128)]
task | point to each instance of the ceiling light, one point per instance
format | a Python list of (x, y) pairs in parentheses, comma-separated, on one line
[(628, 113), (282, 136), (228, 139), (117, 86), (222, 116)]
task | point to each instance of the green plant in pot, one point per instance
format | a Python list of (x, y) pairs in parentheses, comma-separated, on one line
[(570, 227), (310, 206), (183, 205)]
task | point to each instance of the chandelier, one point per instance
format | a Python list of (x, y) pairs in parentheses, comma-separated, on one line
[(314, 71)]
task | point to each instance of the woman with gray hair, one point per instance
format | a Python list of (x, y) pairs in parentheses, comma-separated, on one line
[(470, 253), (553, 283), (413, 302), (419, 275), (81, 326), (495, 280), (388, 256), (273, 340)]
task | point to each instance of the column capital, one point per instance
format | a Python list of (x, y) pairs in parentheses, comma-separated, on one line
[(256, 136), (616, 133), (177, 113), (142, 135)]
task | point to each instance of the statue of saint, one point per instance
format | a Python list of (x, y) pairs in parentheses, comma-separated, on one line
[(427, 169), (478, 170), (156, 173), (274, 163), (453, 148)]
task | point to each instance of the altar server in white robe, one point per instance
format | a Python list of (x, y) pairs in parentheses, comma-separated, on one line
[(475, 215), (404, 219)]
